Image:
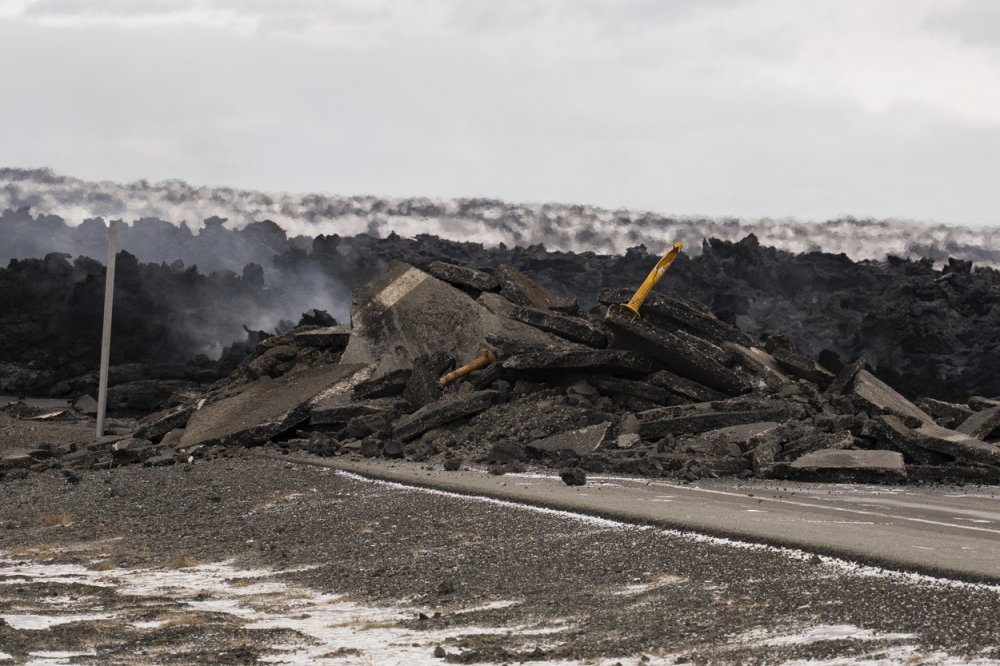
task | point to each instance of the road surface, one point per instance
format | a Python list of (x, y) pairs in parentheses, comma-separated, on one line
[(937, 530)]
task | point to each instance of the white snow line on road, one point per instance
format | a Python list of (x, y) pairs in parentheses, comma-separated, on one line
[(845, 566)]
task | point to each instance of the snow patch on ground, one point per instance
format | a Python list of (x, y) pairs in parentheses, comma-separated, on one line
[(329, 624)]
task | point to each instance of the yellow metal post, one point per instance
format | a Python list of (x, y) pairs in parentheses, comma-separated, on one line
[(485, 358), (654, 276)]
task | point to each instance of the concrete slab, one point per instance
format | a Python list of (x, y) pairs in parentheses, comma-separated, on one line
[(759, 363), (447, 409), (704, 417), (580, 441), (519, 289), (981, 424), (575, 329), (406, 313), (731, 440), (679, 352), (878, 395), (683, 387), (839, 465), (947, 414), (463, 276), (601, 361), (957, 445), (671, 314), (269, 406), (800, 366)]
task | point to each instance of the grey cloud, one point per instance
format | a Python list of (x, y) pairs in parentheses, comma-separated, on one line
[(974, 21)]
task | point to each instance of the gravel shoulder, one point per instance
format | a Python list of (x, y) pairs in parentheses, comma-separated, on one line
[(533, 584)]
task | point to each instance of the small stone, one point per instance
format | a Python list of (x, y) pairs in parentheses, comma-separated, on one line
[(573, 476)]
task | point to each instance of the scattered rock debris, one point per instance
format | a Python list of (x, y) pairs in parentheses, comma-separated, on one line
[(676, 392)]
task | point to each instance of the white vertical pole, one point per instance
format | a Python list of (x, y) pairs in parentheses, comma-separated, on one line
[(109, 295)]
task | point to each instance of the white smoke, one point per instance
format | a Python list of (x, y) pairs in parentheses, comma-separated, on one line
[(491, 222)]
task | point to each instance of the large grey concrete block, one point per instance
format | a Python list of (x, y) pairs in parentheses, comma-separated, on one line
[(406, 313)]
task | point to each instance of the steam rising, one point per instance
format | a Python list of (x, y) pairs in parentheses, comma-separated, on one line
[(557, 226)]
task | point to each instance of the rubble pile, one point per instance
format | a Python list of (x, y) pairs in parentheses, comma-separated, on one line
[(675, 392)]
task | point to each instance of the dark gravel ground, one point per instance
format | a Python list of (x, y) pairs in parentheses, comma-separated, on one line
[(700, 602)]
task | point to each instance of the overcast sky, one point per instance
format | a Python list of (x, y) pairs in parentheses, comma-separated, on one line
[(812, 108)]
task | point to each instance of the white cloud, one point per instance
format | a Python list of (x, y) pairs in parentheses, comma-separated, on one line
[(749, 107)]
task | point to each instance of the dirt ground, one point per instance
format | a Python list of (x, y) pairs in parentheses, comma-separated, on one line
[(249, 560)]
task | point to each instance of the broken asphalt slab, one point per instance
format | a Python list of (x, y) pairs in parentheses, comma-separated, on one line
[(440, 412), (703, 417), (934, 438), (679, 352), (268, 406)]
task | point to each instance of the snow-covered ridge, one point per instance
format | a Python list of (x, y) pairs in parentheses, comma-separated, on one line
[(575, 228)]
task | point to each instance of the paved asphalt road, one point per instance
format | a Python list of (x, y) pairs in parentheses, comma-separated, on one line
[(946, 531)]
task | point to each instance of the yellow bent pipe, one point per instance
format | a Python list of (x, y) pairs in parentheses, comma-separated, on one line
[(654, 276), (485, 358)]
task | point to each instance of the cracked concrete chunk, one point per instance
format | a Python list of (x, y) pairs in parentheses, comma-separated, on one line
[(679, 352), (800, 366), (981, 424), (268, 406), (383, 386), (759, 363), (684, 388), (325, 337), (599, 361), (932, 437), (445, 410), (846, 466), (702, 417), (157, 425), (85, 404), (815, 441), (616, 386), (946, 414), (732, 440), (671, 314), (881, 397), (406, 313), (463, 276), (519, 289), (341, 408), (580, 441), (575, 329)]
